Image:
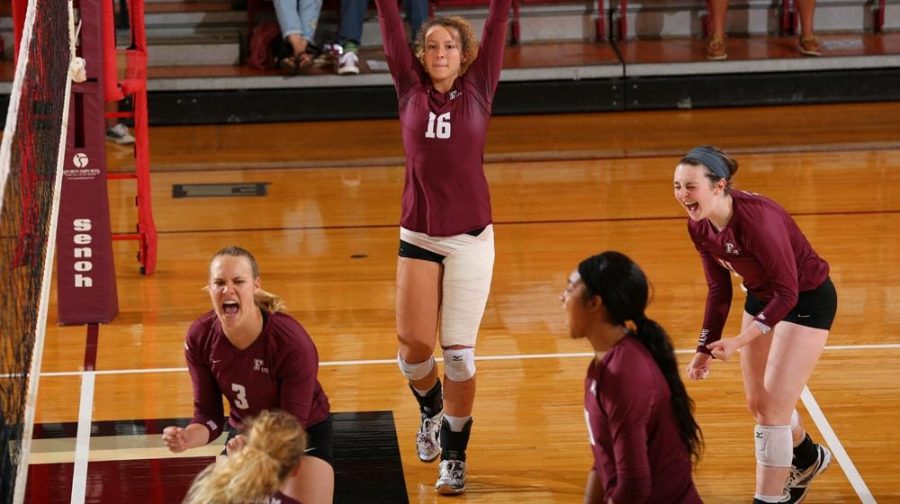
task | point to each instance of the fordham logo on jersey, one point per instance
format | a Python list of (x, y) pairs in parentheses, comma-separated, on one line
[(454, 94), (703, 335), (258, 366), (731, 249), (212, 425)]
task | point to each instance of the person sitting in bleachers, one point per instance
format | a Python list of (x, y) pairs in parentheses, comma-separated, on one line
[(715, 47)]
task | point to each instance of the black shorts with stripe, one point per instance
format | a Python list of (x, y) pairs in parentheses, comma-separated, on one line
[(815, 308)]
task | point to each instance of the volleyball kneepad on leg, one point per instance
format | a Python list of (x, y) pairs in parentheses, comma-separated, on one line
[(414, 372), (774, 445), (459, 364)]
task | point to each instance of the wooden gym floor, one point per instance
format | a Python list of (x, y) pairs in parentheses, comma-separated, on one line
[(563, 188)]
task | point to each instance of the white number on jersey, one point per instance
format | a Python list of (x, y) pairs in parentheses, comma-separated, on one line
[(241, 400), (443, 125)]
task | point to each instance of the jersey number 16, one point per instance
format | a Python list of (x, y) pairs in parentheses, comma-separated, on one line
[(441, 129)]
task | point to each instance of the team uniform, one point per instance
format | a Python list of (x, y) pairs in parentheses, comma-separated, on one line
[(280, 498), (634, 436), (784, 277), (446, 210), (278, 370)]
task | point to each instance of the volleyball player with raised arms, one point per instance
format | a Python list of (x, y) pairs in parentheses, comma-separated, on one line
[(446, 256), (247, 349), (788, 312)]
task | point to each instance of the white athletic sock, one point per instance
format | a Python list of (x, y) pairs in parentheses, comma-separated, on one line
[(771, 498)]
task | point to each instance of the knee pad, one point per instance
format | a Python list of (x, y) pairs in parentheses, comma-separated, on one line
[(459, 364), (414, 372), (774, 446)]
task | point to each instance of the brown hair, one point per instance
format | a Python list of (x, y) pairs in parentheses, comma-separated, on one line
[(729, 162), (265, 300), (275, 444), (467, 40)]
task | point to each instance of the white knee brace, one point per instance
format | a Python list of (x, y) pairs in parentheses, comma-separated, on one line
[(414, 372), (774, 447), (459, 364)]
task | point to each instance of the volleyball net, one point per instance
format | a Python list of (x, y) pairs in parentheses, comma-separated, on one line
[(31, 153)]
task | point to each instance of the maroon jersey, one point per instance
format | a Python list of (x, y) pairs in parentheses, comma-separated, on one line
[(278, 370), (280, 498), (634, 435), (763, 245), (445, 192)]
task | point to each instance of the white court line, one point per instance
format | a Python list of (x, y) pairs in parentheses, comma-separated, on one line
[(837, 449), (83, 438), (373, 362)]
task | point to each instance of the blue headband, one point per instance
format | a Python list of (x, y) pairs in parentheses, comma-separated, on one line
[(712, 160)]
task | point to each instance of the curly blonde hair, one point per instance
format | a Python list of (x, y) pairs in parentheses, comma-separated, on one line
[(265, 300), (468, 42), (275, 444)]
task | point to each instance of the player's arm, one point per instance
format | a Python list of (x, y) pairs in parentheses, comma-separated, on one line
[(179, 439), (593, 490), (299, 378), (489, 62), (207, 423), (396, 50), (770, 243), (627, 401), (767, 239)]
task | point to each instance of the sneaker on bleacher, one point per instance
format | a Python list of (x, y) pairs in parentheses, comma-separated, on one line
[(348, 64), (119, 134)]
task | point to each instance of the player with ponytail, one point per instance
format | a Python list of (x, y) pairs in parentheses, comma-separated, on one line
[(257, 464), (640, 417)]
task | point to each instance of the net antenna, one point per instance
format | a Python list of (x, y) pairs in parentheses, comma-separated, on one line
[(31, 158)]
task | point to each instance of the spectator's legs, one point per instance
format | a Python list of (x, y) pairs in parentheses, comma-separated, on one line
[(715, 47), (807, 10), (809, 44), (288, 14), (353, 14), (717, 11), (416, 14), (309, 18)]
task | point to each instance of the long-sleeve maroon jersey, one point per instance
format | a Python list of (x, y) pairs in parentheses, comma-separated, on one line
[(763, 245), (446, 191), (278, 370), (634, 435)]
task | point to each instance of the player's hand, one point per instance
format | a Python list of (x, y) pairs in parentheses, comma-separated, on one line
[(235, 444), (174, 438), (724, 348), (698, 369)]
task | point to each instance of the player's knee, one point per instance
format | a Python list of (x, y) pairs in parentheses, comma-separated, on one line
[(459, 363), (755, 404), (774, 446), (416, 371), (416, 349)]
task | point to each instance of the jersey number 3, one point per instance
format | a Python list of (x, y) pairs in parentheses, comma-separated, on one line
[(241, 400), (438, 125)]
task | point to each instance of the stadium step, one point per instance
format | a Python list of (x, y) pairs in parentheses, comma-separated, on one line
[(209, 49)]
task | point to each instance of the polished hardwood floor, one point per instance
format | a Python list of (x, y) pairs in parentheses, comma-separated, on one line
[(563, 187)]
